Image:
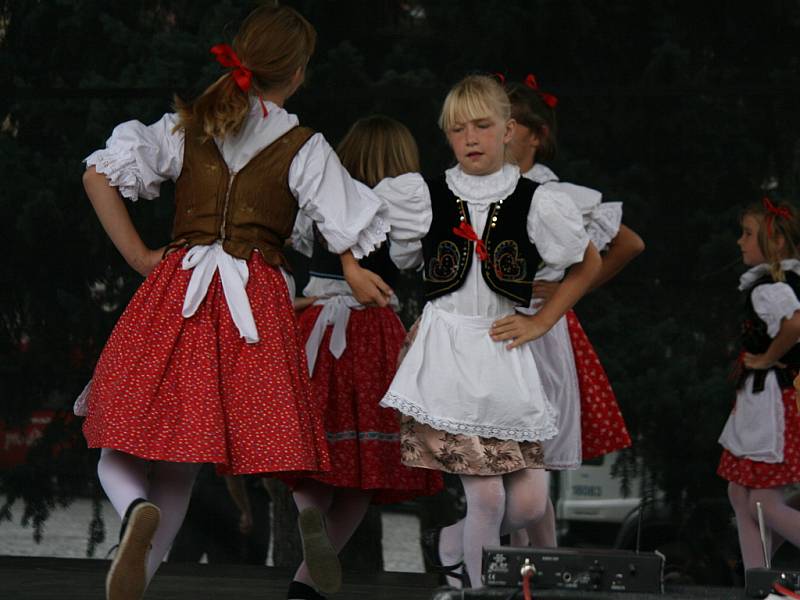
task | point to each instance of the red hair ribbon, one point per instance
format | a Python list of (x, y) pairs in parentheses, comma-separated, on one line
[(465, 230), (548, 99), (779, 211), (500, 77), (243, 76)]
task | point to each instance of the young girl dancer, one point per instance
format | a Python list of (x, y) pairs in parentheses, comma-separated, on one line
[(352, 349), (589, 420), (761, 438), (205, 364), (469, 388)]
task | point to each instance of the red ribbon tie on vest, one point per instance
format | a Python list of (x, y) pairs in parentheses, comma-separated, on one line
[(465, 230)]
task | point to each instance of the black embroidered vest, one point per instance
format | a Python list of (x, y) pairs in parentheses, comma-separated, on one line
[(512, 259), (755, 340), (328, 265)]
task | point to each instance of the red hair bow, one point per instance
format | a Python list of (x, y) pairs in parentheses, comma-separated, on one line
[(548, 99), (774, 211), (241, 74), (465, 230), (227, 58)]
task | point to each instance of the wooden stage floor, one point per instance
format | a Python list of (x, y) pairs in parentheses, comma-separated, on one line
[(41, 578)]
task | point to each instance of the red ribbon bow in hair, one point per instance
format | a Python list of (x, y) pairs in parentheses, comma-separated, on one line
[(466, 231), (227, 58), (243, 76), (779, 211), (548, 99)]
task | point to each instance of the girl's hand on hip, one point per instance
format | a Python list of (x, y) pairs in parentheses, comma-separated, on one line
[(759, 361), (520, 329), (368, 288), (145, 263)]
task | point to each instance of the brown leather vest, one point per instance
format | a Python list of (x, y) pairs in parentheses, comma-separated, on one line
[(251, 209)]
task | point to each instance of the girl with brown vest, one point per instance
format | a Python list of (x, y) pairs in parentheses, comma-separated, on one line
[(205, 364)]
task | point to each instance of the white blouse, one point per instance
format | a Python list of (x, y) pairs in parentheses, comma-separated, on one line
[(138, 158), (602, 220), (773, 302), (405, 199), (756, 427)]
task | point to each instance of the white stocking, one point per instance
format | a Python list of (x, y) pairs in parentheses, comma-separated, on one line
[(170, 490), (526, 498), (486, 499), (343, 509), (123, 477), (778, 516), (746, 526)]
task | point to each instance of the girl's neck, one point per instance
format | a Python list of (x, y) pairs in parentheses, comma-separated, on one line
[(526, 164)]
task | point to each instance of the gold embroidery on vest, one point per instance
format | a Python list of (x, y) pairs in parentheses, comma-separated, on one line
[(444, 266), (508, 264)]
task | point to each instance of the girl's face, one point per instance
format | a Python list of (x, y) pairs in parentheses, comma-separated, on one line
[(523, 146), (479, 145), (748, 242)]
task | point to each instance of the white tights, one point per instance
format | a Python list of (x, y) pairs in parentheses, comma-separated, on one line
[(496, 505), (343, 509), (168, 485), (541, 534), (779, 518)]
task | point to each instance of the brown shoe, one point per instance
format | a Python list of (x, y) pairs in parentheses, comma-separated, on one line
[(127, 577), (320, 556)]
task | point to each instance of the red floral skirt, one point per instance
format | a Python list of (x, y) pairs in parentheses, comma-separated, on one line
[(602, 426), (363, 437), (192, 390), (757, 474)]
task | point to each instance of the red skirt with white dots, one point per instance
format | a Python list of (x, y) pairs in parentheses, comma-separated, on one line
[(757, 474), (192, 390), (363, 437), (602, 426)]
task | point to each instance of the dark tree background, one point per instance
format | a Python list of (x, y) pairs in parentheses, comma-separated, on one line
[(686, 111)]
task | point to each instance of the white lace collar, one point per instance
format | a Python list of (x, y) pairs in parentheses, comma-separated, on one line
[(540, 174), (482, 189), (256, 134), (752, 275)]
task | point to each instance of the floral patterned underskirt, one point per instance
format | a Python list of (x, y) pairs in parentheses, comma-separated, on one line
[(424, 447)]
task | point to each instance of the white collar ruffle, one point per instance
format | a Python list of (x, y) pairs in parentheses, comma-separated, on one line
[(752, 275), (540, 174), (256, 133), (482, 189)]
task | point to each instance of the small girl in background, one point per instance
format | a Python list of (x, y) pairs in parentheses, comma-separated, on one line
[(469, 387), (589, 420), (761, 438), (205, 364), (352, 349)]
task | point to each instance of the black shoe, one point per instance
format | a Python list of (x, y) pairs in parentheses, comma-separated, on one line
[(301, 591), (430, 551), (321, 558), (127, 576)]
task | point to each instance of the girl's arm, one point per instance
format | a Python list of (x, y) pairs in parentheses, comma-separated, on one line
[(522, 328), (368, 288), (625, 246), (788, 336), (116, 221)]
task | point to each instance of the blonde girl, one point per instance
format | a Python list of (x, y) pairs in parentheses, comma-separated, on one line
[(469, 390), (761, 438)]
